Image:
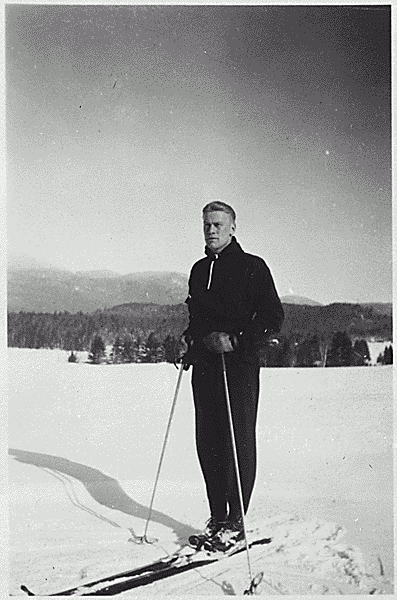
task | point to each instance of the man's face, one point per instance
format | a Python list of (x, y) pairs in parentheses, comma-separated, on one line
[(218, 230)]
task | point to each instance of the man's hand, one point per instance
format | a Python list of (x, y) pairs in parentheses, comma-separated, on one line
[(218, 342), (181, 354), (182, 347)]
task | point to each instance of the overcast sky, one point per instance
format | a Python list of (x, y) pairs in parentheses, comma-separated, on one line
[(122, 122)]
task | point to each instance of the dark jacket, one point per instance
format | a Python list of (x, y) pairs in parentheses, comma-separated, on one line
[(232, 292)]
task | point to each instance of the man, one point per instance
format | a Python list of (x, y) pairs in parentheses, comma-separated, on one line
[(233, 307)]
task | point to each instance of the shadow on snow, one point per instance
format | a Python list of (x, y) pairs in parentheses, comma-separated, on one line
[(103, 489)]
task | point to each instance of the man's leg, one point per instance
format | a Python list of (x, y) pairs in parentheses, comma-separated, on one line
[(243, 385), (211, 433)]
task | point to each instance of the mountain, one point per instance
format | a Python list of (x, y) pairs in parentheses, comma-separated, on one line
[(42, 289), (302, 300), (37, 287), (105, 274), (358, 320), (382, 308)]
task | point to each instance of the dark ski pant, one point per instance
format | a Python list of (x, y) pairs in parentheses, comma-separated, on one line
[(213, 440)]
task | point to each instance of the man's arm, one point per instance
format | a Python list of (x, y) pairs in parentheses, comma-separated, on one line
[(268, 314)]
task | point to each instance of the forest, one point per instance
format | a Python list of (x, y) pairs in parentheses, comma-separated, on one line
[(310, 352), (333, 335)]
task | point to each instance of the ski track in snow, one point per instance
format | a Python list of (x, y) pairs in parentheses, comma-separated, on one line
[(85, 442)]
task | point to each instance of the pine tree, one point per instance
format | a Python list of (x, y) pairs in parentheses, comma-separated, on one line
[(116, 355), (290, 351), (309, 354), (141, 351), (128, 351), (388, 356), (155, 350), (98, 351), (268, 355), (341, 353), (72, 358), (361, 353), (169, 346), (278, 352)]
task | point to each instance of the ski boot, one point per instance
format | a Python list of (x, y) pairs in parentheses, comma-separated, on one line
[(212, 527), (226, 537)]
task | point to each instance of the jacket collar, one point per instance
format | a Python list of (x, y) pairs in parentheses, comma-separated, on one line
[(231, 248)]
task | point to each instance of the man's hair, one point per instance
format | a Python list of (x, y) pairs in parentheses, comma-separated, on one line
[(218, 205)]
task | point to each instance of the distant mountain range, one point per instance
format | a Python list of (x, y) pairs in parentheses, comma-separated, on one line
[(34, 287), (301, 300), (41, 289)]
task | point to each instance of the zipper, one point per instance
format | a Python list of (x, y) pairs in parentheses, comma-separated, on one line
[(211, 270)]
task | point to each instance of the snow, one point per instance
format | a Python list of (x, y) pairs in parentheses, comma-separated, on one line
[(85, 442), (376, 348)]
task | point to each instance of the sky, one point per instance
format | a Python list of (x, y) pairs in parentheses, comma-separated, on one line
[(123, 122)]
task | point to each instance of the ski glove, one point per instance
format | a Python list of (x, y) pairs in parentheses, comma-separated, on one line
[(220, 342)]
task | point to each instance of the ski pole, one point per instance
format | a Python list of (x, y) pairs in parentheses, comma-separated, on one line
[(178, 385), (236, 466)]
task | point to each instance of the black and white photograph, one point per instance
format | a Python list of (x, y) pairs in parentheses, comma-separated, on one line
[(199, 299)]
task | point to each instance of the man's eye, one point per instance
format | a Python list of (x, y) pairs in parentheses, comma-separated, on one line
[(208, 225)]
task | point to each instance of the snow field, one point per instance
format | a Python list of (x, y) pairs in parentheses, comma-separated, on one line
[(87, 441)]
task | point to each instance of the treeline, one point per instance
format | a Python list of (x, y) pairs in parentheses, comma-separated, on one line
[(338, 350), (333, 335), (277, 352), (76, 330), (132, 350)]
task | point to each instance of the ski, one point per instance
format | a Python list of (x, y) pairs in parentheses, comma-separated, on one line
[(183, 560)]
